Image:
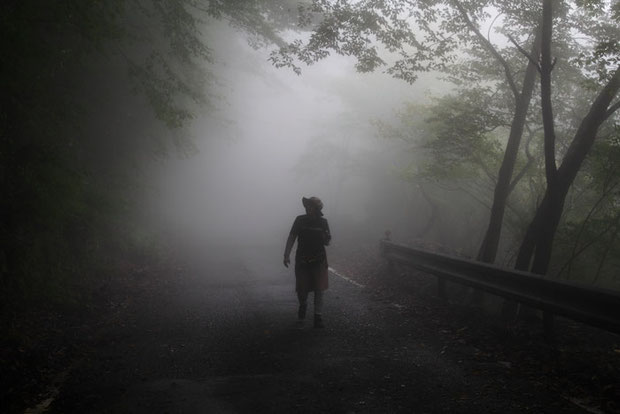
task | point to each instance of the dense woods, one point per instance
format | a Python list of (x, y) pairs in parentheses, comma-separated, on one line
[(90, 92), (527, 131), (554, 77)]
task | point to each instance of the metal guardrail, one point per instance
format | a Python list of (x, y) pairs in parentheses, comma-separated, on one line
[(593, 306)]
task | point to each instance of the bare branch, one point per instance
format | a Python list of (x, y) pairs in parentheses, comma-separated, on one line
[(583, 248), (578, 250), (525, 53), (546, 66), (470, 193), (491, 26), (489, 46), (613, 108)]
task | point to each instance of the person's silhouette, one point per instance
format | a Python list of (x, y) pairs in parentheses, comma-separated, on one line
[(312, 234)]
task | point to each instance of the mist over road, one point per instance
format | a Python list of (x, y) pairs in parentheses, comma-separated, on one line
[(221, 336)]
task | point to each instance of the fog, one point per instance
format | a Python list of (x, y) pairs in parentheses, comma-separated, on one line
[(275, 137)]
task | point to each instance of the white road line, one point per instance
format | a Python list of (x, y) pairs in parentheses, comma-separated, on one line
[(331, 269), (334, 271)]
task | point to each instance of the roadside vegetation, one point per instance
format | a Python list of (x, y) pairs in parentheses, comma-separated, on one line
[(515, 162)]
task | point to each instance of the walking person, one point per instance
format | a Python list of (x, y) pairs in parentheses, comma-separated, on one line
[(312, 234)]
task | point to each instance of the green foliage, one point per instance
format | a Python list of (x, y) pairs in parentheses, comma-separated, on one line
[(68, 67), (599, 22), (453, 139), (460, 139), (356, 29), (405, 38), (587, 244), (463, 134)]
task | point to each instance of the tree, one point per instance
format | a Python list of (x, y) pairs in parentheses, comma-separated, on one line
[(452, 147), (56, 58), (588, 238), (425, 36), (538, 240), (440, 29)]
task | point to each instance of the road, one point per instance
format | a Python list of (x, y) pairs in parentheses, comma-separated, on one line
[(220, 335)]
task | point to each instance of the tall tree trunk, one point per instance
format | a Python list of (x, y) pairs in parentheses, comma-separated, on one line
[(488, 249), (538, 240), (546, 66), (489, 246)]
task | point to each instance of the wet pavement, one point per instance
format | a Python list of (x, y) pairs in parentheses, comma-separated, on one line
[(221, 336)]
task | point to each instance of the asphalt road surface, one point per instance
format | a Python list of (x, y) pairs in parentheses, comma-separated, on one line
[(220, 335)]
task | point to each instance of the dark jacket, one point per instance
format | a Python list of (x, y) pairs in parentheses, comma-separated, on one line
[(312, 235)]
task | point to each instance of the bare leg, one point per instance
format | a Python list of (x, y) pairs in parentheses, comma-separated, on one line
[(318, 308), (318, 302), (303, 304)]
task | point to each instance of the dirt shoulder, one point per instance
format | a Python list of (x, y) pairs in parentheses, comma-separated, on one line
[(40, 346), (581, 365)]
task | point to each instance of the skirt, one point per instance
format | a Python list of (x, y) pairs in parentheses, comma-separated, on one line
[(309, 278)]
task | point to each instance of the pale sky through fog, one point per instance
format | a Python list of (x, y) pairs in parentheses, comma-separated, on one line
[(242, 185)]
